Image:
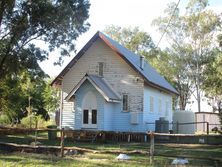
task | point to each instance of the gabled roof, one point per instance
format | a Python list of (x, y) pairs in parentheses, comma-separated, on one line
[(101, 86), (150, 75)]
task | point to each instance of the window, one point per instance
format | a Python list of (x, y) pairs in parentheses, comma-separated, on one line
[(125, 102), (151, 104), (94, 116), (160, 105), (85, 116), (101, 68)]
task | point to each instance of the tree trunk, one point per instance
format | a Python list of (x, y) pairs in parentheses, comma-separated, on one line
[(2, 9), (198, 101), (182, 102)]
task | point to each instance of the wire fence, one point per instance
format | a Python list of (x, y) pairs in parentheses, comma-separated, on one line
[(185, 127)]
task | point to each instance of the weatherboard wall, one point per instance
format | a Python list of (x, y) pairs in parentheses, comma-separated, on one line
[(121, 77), (151, 116), (109, 116), (80, 93)]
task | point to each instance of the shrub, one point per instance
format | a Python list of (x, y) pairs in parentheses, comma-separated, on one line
[(4, 120), (30, 121)]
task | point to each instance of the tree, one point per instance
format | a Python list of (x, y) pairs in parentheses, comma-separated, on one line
[(212, 83), (56, 22), (190, 37), (133, 39), (141, 43), (171, 67), (51, 97), (26, 90)]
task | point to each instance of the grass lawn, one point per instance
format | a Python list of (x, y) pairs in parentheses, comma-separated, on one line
[(88, 159), (198, 155)]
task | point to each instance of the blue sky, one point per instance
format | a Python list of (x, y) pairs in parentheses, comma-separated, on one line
[(123, 13)]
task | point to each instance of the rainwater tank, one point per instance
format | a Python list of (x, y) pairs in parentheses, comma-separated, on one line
[(162, 125)]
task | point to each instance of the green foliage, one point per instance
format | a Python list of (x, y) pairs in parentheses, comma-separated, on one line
[(191, 41), (15, 92), (4, 120), (135, 40), (11, 98), (51, 97), (212, 83), (213, 75), (141, 43), (31, 120), (56, 22)]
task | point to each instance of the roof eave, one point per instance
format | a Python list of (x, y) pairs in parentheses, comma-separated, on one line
[(75, 59), (128, 62), (160, 87), (86, 77), (57, 81)]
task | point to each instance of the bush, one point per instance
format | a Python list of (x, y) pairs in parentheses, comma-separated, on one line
[(30, 120), (4, 120)]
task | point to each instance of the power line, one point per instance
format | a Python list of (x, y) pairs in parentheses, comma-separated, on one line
[(168, 24)]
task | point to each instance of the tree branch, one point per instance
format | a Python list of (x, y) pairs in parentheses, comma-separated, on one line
[(2, 9)]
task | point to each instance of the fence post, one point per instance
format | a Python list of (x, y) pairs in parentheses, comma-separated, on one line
[(151, 147), (62, 142), (207, 128), (128, 138)]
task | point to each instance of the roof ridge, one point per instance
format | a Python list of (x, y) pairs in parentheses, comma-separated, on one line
[(148, 73), (130, 56)]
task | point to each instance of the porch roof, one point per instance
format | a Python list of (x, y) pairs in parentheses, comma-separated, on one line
[(101, 86)]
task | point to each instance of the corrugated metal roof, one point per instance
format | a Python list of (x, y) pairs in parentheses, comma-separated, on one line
[(148, 71), (100, 84), (105, 88)]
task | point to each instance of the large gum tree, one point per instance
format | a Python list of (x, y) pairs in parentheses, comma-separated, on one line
[(56, 22), (191, 39)]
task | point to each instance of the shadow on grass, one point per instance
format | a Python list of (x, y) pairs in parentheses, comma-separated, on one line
[(199, 154)]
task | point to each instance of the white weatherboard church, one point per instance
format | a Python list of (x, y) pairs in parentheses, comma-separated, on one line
[(107, 87)]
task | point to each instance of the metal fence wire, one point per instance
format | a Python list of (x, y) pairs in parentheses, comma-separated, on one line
[(175, 127)]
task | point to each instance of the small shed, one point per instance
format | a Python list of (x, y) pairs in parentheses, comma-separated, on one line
[(210, 117)]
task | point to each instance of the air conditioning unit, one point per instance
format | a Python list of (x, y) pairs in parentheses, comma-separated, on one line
[(134, 118)]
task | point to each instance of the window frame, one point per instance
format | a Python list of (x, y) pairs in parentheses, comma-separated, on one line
[(85, 116), (125, 102), (160, 108), (94, 111), (101, 69)]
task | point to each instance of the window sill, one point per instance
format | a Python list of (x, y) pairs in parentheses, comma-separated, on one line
[(125, 111)]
